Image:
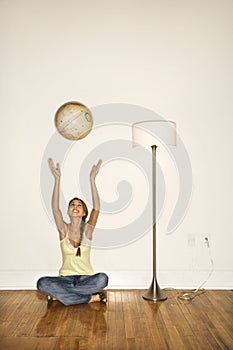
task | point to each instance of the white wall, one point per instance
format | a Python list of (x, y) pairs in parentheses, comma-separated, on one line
[(173, 57)]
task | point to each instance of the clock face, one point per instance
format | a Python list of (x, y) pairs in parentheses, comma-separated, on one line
[(73, 120)]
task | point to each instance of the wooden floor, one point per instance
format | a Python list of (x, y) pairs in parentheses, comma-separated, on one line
[(126, 322)]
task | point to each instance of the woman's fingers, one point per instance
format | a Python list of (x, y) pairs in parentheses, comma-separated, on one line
[(95, 169), (55, 169), (51, 163)]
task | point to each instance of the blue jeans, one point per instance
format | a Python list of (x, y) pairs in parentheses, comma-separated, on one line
[(70, 290)]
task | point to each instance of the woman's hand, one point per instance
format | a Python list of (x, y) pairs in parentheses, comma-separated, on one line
[(56, 171), (95, 169)]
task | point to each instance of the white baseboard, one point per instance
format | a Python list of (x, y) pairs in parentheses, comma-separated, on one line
[(131, 279)]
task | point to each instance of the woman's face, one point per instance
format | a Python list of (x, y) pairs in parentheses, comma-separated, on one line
[(76, 209)]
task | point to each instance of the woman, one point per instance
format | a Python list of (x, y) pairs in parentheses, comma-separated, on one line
[(77, 282)]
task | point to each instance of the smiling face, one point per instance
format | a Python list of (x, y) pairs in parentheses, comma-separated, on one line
[(77, 208)]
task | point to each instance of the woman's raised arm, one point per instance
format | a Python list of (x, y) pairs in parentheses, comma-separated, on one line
[(61, 225), (95, 195)]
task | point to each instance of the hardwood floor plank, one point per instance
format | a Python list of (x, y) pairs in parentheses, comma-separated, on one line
[(111, 321), (13, 313), (225, 310), (48, 324), (17, 343), (66, 343), (28, 319), (127, 322), (128, 316), (197, 320), (135, 320), (154, 323), (222, 338)]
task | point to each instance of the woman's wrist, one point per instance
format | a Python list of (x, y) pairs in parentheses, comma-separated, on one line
[(92, 180)]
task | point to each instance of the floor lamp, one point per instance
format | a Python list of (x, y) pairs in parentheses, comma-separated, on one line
[(152, 133)]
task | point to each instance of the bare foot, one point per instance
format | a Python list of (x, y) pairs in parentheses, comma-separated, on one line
[(101, 297), (49, 298), (94, 298)]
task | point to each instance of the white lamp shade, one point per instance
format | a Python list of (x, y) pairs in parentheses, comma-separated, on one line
[(154, 132)]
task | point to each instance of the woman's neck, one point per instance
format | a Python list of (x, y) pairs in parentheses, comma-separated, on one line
[(75, 223)]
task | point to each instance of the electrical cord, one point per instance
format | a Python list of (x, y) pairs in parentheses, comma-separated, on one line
[(192, 294)]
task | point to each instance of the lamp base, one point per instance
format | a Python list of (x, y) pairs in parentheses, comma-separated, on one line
[(154, 292)]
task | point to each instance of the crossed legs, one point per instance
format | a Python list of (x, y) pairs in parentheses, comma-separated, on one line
[(71, 290)]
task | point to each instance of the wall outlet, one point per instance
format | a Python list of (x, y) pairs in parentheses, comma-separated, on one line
[(191, 240)]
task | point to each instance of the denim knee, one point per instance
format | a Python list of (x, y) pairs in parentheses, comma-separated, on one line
[(41, 283), (102, 279)]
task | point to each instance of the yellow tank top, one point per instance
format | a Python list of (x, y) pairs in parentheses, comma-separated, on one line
[(73, 264)]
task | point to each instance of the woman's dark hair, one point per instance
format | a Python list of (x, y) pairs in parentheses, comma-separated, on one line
[(84, 207)]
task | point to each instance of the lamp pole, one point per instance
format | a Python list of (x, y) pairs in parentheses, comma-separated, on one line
[(154, 292)]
